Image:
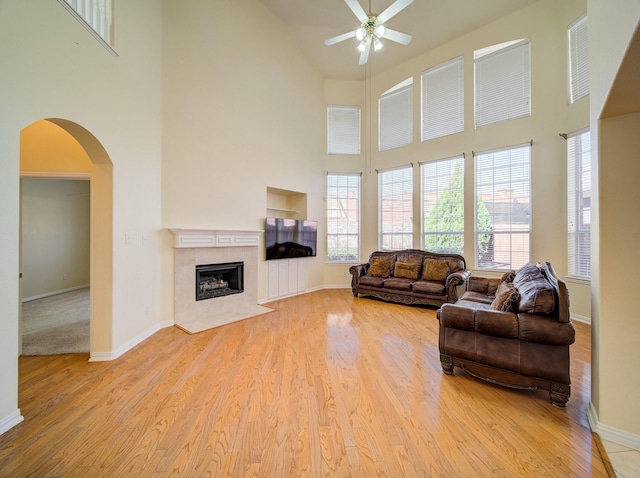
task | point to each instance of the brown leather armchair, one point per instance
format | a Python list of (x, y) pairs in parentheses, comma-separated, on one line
[(522, 344)]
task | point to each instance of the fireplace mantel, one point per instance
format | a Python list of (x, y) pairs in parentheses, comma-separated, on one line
[(185, 238)]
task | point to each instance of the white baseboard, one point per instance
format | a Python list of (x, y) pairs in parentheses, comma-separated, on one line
[(108, 356), (55, 292), (581, 318), (607, 432), (10, 421)]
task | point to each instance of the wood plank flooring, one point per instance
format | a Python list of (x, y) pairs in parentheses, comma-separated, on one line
[(327, 385)]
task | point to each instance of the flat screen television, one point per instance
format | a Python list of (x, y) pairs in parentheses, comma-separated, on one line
[(287, 238)]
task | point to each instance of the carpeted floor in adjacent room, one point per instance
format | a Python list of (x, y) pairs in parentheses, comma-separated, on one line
[(56, 325)]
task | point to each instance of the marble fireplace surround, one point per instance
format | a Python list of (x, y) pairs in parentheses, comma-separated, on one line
[(202, 246)]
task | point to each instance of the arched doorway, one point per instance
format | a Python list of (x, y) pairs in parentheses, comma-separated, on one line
[(98, 169)]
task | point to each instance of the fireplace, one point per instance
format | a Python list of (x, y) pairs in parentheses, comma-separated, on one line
[(218, 280)]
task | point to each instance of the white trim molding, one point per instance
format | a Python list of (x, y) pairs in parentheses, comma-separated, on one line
[(185, 238), (124, 348), (607, 432), (10, 421)]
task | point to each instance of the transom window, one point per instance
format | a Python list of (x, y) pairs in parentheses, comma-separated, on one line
[(443, 99), (502, 83), (578, 40), (395, 116), (343, 129)]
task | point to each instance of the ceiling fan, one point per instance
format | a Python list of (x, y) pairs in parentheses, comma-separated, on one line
[(372, 29)]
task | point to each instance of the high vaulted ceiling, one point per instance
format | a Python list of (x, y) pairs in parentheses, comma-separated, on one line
[(430, 22)]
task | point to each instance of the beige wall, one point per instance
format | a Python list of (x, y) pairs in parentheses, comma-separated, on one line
[(545, 24), (55, 236), (52, 68), (46, 147), (242, 111), (615, 141)]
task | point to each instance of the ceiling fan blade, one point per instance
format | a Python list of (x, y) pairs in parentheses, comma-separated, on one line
[(392, 9), (364, 56), (397, 37), (339, 38), (357, 9)]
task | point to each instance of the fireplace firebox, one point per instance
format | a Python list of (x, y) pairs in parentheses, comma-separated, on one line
[(218, 280)]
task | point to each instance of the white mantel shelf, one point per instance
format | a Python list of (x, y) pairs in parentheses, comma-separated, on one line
[(185, 238)]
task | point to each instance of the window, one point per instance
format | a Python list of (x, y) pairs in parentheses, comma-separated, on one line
[(578, 59), (579, 203), (395, 117), (443, 205), (396, 209), (443, 99), (343, 217), (503, 211), (343, 129), (502, 83), (96, 16)]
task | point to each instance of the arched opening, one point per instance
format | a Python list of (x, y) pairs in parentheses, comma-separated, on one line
[(61, 149)]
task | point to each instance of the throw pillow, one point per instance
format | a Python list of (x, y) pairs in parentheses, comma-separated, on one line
[(406, 270), (435, 269), (507, 298), (380, 266), (537, 295)]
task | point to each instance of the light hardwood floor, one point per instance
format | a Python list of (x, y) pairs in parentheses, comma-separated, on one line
[(327, 385)]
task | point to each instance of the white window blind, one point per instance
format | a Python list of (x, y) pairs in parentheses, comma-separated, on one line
[(396, 208), (443, 205), (578, 59), (442, 90), (343, 129), (96, 16), (395, 117), (579, 203), (343, 217), (503, 210), (502, 84)]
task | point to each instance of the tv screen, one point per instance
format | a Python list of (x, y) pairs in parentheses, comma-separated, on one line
[(287, 238)]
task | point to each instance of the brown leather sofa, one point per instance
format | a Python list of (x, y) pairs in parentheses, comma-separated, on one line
[(515, 331), (410, 276)]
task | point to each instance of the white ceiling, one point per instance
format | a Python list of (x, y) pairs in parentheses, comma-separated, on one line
[(430, 22)]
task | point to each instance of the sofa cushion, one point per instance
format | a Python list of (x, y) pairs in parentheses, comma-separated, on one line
[(380, 266), (428, 287), (507, 298), (435, 269), (472, 296), (537, 294), (372, 281), (406, 270), (398, 283)]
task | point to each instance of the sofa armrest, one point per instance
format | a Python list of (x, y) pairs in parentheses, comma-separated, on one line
[(454, 280), (357, 271)]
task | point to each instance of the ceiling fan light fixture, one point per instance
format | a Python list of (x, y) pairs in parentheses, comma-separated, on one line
[(372, 29)]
